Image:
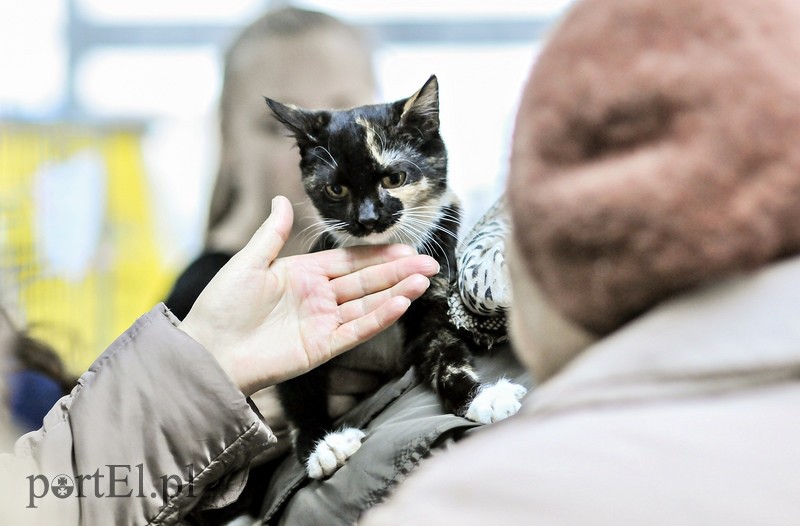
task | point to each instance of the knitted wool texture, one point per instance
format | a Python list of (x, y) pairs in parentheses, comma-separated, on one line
[(657, 148)]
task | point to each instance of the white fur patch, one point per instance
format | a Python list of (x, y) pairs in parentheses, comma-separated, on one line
[(346, 240), (496, 402), (332, 452)]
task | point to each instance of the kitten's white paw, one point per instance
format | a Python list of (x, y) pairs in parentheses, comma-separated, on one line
[(333, 451), (496, 402)]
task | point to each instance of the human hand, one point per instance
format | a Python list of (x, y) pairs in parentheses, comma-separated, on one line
[(268, 320)]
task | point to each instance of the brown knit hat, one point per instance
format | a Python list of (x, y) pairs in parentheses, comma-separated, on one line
[(657, 147)]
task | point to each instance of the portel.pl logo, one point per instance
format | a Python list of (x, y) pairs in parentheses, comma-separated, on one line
[(111, 481)]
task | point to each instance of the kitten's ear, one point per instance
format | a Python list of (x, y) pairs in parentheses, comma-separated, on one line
[(421, 110), (306, 126)]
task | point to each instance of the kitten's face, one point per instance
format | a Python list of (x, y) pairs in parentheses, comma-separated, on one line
[(324, 67), (375, 173)]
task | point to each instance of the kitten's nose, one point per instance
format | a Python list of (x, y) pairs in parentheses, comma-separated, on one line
[(367, 215)]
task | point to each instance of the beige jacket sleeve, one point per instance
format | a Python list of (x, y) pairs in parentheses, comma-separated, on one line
[(154, 429)]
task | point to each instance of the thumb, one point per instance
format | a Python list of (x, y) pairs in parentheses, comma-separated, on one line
[(270, 237)]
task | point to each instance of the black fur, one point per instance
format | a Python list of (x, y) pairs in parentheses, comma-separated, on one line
[(338, 155)]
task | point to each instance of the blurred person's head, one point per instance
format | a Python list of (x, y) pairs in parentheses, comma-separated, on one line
[(301, 57), (32, 378), (650, 160)]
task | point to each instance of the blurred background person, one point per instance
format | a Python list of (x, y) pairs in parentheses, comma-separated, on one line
[(36, 376), (303, 57), (294, 55)]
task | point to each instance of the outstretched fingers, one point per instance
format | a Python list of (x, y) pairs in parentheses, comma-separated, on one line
[(361, 329), (343, 261), (382, 277), (411, 287)]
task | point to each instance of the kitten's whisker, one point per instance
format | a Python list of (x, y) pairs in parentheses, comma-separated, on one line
[(313, 240), (435, 219), (402, 160), (328, 151), (313, 152), (415, 165), (445, 231), (422, 234), (444, 254), (313, 232), (300, 202), (379, 136), (415, 239), (429, 221), (325, 225), (431, 208), (321, 227), (429, 241), (420, 224), (408, 228)]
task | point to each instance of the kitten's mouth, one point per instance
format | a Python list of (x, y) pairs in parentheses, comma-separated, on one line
[(374, 236), (364, 231)]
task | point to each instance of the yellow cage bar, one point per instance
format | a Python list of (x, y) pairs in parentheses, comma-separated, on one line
[(79, 260)]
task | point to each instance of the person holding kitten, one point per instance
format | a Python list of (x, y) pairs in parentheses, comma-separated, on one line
[(654, 190)]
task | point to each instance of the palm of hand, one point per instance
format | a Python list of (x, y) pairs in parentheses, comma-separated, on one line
[(307, 312), (293, 315), (268, 320)]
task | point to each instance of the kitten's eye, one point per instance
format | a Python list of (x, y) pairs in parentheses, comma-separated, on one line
[(336, 191), (394, 180)]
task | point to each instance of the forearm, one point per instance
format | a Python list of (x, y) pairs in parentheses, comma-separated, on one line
[(151, 425)]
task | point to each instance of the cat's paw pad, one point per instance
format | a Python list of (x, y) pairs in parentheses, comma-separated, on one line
[(332, 452), (496, 402)]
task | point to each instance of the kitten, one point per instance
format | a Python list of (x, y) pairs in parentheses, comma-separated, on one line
[(378, 174)]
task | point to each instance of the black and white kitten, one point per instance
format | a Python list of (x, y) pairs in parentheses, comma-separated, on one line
[(378, 174)]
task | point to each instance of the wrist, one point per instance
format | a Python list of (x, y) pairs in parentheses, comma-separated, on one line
[(200, 336)]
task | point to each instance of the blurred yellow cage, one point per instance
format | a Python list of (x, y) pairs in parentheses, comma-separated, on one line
[(79, 259)]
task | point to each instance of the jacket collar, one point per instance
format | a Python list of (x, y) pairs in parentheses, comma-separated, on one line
[(736, 334)]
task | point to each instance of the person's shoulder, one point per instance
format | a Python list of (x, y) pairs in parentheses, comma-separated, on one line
[(193, 280)]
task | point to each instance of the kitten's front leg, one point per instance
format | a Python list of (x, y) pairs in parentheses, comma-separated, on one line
[(448, 366), (452, 373), (321, 450), (496, 401), (333, 451), (446, 362), (443, 358)]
